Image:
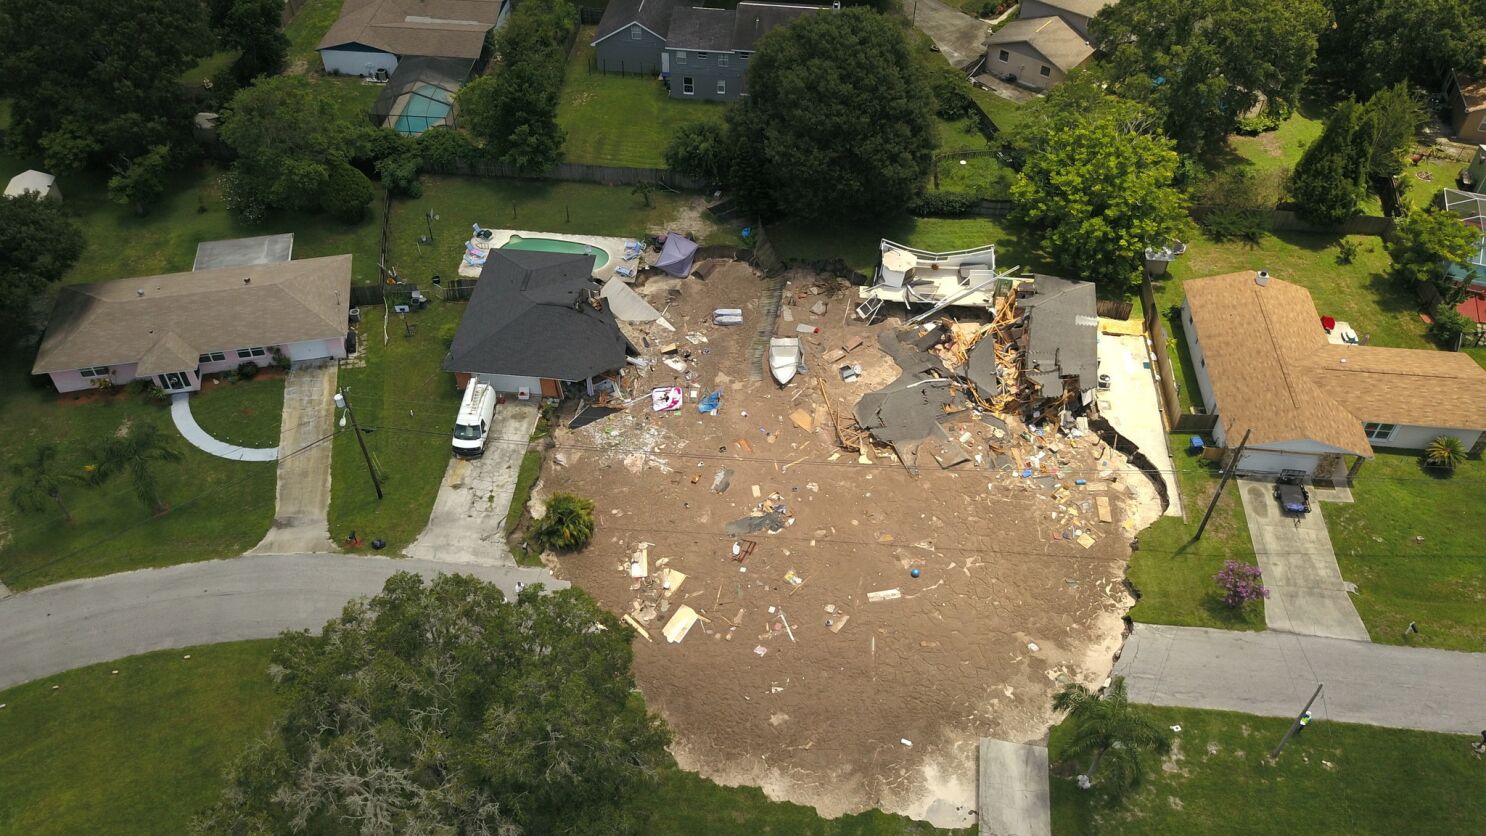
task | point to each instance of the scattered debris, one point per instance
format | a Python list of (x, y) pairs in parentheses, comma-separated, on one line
[(885, 595), (680, 624)]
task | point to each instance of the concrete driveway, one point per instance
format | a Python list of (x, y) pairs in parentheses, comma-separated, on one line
[(1013, 797), (302, 498), (1131, 405), (960, 37), (1273, 674), (468, 523), (1306, 592), (76, 623)]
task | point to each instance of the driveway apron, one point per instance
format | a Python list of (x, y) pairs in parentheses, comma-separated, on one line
[(302, 499), (960, 37)]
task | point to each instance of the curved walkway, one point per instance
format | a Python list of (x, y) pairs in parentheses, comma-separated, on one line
[(180, 413), (76, 623)]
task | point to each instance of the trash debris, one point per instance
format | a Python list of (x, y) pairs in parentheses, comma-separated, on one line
[(722, 480), (670, 581), (885, 595), (727, 316), (819, 308), (839, 623), (1102, 503), (773, 521), (744, 445), (639, 566), (665, 399), (639, 628), (710, 403), (906, 742), (677, 364), (680, 624), (802, 419), (761, 650), (792, 578), (757, 492), (1032, 646)]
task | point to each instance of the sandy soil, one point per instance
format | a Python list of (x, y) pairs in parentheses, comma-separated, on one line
[(856, 703)]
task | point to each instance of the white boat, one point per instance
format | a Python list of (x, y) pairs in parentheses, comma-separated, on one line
[(784, 358)]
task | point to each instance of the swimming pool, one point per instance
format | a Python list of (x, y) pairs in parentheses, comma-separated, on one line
[(554, 245)]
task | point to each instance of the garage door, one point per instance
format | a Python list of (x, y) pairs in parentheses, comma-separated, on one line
[(1272, 462)]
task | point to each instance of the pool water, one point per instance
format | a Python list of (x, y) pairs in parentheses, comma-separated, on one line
[(553, 245), (426, 107)]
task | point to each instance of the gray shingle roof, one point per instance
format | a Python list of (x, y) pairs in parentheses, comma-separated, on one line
[(654, 15), (755, 20), (530, 316), (1063, 333), (708, 30)]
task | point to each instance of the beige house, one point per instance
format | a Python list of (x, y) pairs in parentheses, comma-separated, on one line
[(1075, 13), (1037, 52), (1467, 108)]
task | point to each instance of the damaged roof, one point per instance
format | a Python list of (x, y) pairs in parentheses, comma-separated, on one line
[(1063, 333), (530, 315)]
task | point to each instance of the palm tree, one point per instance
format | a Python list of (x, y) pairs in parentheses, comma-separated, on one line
[(136, 452), (1445, 451), (1109, 729), (40, 483), (567, 525)]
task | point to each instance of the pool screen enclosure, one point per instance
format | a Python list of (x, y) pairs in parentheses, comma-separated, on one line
[(420, 94)]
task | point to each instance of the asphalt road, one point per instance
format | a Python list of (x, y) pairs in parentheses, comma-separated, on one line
[(69, 625), (1273, 674)]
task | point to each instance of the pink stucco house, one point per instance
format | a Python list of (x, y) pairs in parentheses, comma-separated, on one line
[(173, 329)]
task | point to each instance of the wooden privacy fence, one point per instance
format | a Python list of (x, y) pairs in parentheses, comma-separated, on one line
[(607, 175), (388, 293), (1171, 402), (458, 290), (1285, 220), (1114, 308)]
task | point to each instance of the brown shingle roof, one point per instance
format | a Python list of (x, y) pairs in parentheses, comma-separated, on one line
[(1273, 371), (437, 28), (183, 315)]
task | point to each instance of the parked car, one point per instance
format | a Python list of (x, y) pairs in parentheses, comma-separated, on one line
[(1292, 495), (476, 412)]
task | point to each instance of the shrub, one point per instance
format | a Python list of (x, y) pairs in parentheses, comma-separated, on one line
[(280, 359), (1448, 325), (1240, 583), (951, 89), (568, 524), (447, 332), (1445, 452), (1240, 206), (1254, 125), (247, 370), (346, 194), (942, 204), (444, 149), (399, 175), (698, 150), (1346, 251)]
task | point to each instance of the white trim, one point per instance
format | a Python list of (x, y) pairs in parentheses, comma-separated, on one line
[(688, 81), (625, 28), (722, 87)]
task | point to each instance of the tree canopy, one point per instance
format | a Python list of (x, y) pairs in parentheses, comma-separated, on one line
[(837, 120), (514, 109), (38, 244), (93, 81), (441, 707), (1425, 241), (1203, 63), (1097, 183), (1328, 182), (1378, 43)]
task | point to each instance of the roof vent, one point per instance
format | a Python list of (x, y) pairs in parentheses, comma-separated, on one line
[(139, 292), (1261, 278), (247, 279)]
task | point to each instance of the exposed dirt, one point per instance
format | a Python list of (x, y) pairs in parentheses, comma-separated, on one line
[(856, 703)]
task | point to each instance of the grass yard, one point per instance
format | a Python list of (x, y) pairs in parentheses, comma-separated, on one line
[(218, 507), (986, 177), (856, 244), (1175, 575), (210, 67), (1006, 113), (1440, 582), (620, 120), (1335, 778), (1281, 148), (242, 412), (305, 31), (143, 751), (138, 752)]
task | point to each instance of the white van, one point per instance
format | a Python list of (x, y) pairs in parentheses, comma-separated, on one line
[(476, 412)]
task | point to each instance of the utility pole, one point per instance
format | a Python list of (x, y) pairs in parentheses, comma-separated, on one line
[(1218, 494), (1295, 726), (340, 401)]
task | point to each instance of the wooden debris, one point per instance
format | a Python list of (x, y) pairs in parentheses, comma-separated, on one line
[(837, 624), (680, 624), (639, 566), (671, 581), (1102, 504), (639, 628), (744, 445), (1086, 541), (802, 419), (885, 595)]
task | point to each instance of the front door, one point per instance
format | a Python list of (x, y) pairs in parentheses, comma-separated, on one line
[(175, 381)]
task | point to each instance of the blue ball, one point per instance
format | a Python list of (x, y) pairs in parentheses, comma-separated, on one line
[(914, 572)]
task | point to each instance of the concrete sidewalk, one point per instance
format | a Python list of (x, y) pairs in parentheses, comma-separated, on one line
[(1013, 795), (1306, 591), (68, 625), (1132, 405), (185, 423), (302, 497), (468, 521), (1273, 674)]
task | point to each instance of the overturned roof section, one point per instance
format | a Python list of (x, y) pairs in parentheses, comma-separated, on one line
[(1054, 39), (627, 305), (1063, 333), (241, 252), (440, 28), (166, 318), (532, 314), (619, 15)]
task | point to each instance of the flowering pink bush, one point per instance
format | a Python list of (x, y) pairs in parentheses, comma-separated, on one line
[(1240, 583)]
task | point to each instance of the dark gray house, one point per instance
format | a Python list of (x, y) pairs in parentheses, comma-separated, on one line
[(702, 53)]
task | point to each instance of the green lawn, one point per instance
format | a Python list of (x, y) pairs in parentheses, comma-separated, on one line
[(245, 412), (1281, 149), (137, 752), (856, 244), (1441, 582), (210, 67), (986, 177), (959, 135), (1175, 575), (620, 120), (1006, 113), (307, 28), (144, 750), (1336, 778)]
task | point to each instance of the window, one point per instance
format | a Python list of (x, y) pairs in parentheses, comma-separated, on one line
[(1045, 71), (1379, 432), (212, 357), (722, 87), (634, 33), (245, 353), (722, 61), (95, 371), (687, 87), (1003, 56), (680, 57)]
